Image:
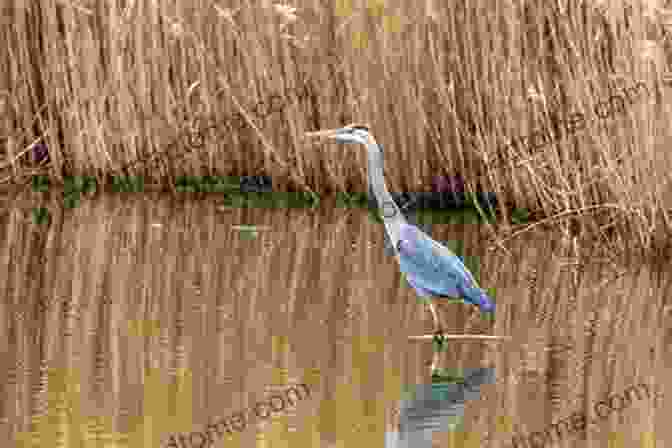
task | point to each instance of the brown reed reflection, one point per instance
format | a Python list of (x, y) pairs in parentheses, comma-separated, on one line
[(159, 319)]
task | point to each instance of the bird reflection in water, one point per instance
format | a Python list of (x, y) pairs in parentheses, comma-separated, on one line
[(439, 406)]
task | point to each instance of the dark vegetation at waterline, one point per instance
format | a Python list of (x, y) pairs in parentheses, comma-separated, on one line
[(441, 207)]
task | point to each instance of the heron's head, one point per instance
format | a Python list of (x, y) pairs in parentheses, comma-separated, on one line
[(352, 133)]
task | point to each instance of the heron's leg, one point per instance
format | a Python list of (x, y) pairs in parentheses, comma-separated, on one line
[(432, 308), (435, 362)]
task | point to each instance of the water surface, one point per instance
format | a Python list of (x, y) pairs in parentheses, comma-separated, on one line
[(136, 317)]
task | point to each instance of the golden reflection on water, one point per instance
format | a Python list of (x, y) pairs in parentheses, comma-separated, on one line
[(130, 319)]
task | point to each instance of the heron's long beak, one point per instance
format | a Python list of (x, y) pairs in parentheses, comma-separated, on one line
[(327, 133)]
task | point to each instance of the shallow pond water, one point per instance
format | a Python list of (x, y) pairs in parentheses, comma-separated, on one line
[(149, 320)]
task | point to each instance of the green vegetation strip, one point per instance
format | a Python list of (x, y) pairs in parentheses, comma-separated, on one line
[(233, 196)]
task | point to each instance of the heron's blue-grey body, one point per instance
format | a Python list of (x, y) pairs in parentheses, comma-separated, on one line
[(430, 268), (433, 270)]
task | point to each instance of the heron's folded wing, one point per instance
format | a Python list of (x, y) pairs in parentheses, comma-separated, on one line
[(444, 252), (433, 267), (449, 290)]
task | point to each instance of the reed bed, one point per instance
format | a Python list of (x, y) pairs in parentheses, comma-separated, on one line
[(114, 88)]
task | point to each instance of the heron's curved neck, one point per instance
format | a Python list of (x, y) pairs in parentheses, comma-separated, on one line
[(388, 207)]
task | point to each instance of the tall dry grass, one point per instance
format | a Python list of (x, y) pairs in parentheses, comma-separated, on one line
[(444, 85)]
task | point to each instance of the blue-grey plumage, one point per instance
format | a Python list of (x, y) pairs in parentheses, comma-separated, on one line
[(432, 269)]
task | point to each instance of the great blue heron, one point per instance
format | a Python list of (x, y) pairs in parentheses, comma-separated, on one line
[(430, 268)]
